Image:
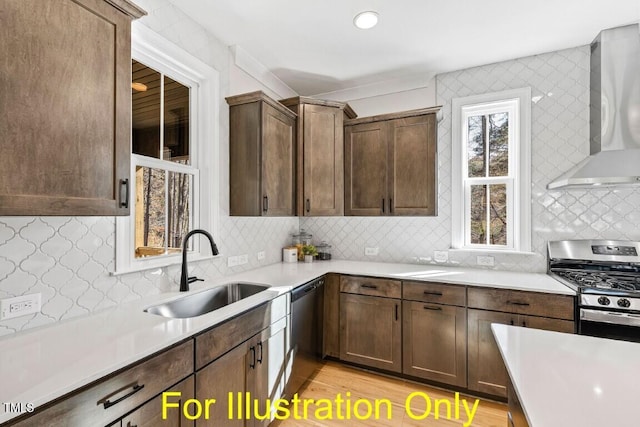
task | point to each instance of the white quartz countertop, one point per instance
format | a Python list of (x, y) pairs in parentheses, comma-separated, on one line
[(567, 380), (42, 364)]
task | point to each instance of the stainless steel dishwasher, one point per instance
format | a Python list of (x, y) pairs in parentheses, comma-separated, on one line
[(307, 305)]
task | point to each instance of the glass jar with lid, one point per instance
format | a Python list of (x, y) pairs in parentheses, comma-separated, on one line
[(299, 240), (324, 251)]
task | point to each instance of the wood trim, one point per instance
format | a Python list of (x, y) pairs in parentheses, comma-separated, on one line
[(393, 116), (259, 95), (127, 7), (296, 100)]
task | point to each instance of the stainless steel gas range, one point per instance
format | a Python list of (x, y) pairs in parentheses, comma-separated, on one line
[(606, 276)]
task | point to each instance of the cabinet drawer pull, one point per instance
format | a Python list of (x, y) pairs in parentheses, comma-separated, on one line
[(426, 307), (383, 205), (438, 294), (396, 311), (260, 358), (521, 304), (134, 386), (124, 201), (131, 425), (367, 286), (265, 203), (390, 205), (252, 365), (308, 205)]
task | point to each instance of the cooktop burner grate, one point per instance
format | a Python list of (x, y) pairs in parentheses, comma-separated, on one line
[(601, 280)]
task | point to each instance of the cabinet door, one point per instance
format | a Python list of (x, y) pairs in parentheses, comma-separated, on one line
[(366, 169), (278, 163), (370, 331), (412, 166), (331, 317), (323, 141), (435, 342), (267, 379), (222, 380), (65, 98), (487, 372), (150, 414)]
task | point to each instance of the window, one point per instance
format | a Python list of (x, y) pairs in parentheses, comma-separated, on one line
[(491, 171), (173, 149)]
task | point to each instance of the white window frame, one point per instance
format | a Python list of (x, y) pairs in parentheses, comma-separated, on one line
[(518, 103), (160, 54)]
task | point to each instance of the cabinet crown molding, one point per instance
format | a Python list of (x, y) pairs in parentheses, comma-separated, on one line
[(296, 100), (393, 116), (247, 98), (127, 7)]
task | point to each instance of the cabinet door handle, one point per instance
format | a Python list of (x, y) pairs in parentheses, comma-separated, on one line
[(426, 307), (308, 205), (265, 204), (519, 303), (511, 322), (396, 311), (390, 205), (383, 205), (260, 358), (134, 386), (252, 365), (131, 425), (524, 323), (438, 294), (368, 286), (124, 201)]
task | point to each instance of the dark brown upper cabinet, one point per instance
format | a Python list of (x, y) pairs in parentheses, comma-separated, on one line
[(262, 156), (391, 164), (320, 159), (65, 97)]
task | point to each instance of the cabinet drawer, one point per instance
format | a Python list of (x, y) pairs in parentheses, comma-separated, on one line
[(370, 286), (118, 394), (217, 341), (434, 292), (522, 302)]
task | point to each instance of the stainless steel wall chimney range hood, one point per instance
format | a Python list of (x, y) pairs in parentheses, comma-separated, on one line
[(614, 113)]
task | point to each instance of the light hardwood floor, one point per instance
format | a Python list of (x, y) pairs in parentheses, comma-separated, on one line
[(334, 378)]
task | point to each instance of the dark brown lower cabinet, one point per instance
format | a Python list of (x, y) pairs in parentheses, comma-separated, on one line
[(515, 415), (371, 331), (331, 316), (150, 414), (258, 367), (435, 342), (487, 373)]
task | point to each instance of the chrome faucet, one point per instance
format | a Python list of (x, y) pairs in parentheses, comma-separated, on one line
[(184, 278)]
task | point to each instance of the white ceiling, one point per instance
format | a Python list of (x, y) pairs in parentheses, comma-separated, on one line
[(313, 47)]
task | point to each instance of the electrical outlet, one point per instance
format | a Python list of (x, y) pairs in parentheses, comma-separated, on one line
[(243, 259), (20, 306), (261, 255), (232, 261), (486, 261), (441, 256), (371, 251)]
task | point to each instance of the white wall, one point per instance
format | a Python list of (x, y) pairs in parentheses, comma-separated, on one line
[(393, 102)]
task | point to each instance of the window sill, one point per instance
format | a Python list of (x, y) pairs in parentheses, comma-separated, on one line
[(153, 264), (493, 251)]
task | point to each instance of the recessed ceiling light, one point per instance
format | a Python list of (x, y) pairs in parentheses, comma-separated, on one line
[(140, 87), (366, 20)]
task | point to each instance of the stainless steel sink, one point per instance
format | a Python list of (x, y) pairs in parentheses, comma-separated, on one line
[(206, 301)]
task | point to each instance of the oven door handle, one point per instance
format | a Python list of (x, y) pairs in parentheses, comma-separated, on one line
[(612, 317)]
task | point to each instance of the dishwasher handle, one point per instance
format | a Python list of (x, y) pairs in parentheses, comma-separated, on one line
[(306, 289)]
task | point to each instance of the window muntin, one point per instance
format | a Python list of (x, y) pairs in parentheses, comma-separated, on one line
[(164, 179), (490, 147)]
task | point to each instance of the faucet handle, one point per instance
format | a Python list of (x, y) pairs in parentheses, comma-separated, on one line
[(194, 279)]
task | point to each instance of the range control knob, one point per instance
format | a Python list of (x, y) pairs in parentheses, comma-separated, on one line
[(624, 303), (604, 301)]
